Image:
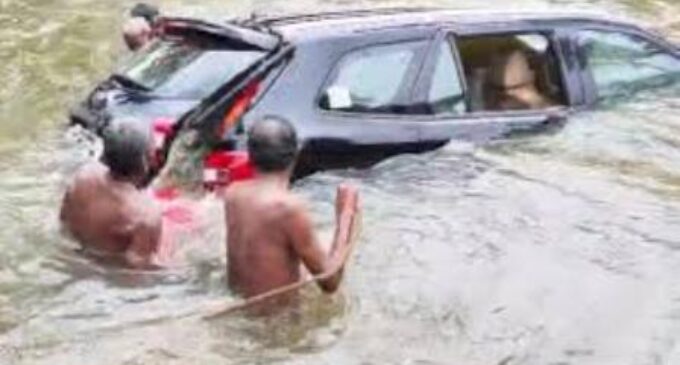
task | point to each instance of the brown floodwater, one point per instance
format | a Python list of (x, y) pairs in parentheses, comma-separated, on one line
[(558, 248)]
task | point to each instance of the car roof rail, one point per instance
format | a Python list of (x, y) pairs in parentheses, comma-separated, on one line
[(330, 15)]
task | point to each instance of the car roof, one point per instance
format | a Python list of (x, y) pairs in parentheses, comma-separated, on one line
[(306, 26)]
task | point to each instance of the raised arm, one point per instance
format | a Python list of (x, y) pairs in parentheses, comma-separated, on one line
[(304, 240)]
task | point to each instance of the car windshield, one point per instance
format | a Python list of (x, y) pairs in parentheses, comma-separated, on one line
[(178, 69)]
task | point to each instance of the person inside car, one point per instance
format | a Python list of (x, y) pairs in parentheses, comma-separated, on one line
[(136, 33), (269, 230), (512, 84), (104, 207), (139, 29), (148, 12)]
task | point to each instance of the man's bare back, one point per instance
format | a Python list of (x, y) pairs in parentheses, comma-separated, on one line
[(269, 231), (106, 212), (260, 255), (270, 234), (109, 217)]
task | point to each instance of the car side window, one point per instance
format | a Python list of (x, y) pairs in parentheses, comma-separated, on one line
[(621, 63), (511, 72), (371, 80), (446, 96)]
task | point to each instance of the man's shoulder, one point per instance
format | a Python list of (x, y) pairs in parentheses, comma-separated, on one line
[(89, 172), (91, 169), (271, 203), (294, 202), (287, 206), (236, 189), (86, 179)]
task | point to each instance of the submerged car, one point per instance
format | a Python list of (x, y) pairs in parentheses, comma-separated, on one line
[(361, 86)]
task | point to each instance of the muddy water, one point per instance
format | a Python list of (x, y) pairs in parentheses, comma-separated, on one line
[(560, 248)]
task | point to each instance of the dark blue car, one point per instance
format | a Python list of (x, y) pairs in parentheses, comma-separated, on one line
[(361, 86)]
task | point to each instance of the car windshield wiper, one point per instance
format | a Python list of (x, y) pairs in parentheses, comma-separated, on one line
[(129, 83)]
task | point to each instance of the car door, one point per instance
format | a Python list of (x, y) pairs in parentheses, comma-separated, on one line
[(617, 62), (362, 108), (447, 92)]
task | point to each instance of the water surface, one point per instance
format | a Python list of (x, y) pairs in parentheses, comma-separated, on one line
[(559, 248)]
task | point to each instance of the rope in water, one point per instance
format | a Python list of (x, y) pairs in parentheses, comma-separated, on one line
[(353, 238), (221, 307)]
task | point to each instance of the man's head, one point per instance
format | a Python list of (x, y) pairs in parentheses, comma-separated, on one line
[(511, 70), (126, 150), (272, 145), (142, 10), (136, 33)]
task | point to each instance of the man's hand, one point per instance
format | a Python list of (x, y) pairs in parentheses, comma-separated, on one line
[(346, 209), (301, 232), (146, 237), (346, 203)]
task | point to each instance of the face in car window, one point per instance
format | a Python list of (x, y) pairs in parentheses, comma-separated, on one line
[(516, 71), (622, 63), (370, 79)]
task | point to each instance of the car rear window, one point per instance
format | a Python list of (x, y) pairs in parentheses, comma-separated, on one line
[(178, 69)]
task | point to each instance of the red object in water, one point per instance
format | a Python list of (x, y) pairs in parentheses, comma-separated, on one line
[(221, 168), (179, 215), (163, 125), (174, 210), (169, 193), (162, 130)]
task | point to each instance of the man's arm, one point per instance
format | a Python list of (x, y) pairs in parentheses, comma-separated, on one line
[(146, 239), (300, 229)]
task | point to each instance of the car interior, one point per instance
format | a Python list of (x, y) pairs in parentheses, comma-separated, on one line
[(510, 72)]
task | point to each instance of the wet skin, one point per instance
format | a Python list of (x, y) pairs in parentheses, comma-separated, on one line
[(111, 217), (137, 33), (270, 233)]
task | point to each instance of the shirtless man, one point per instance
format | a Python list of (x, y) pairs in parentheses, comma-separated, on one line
[(149, 12), (104, 207), (137, 33), (269, 231), (139, 29)]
